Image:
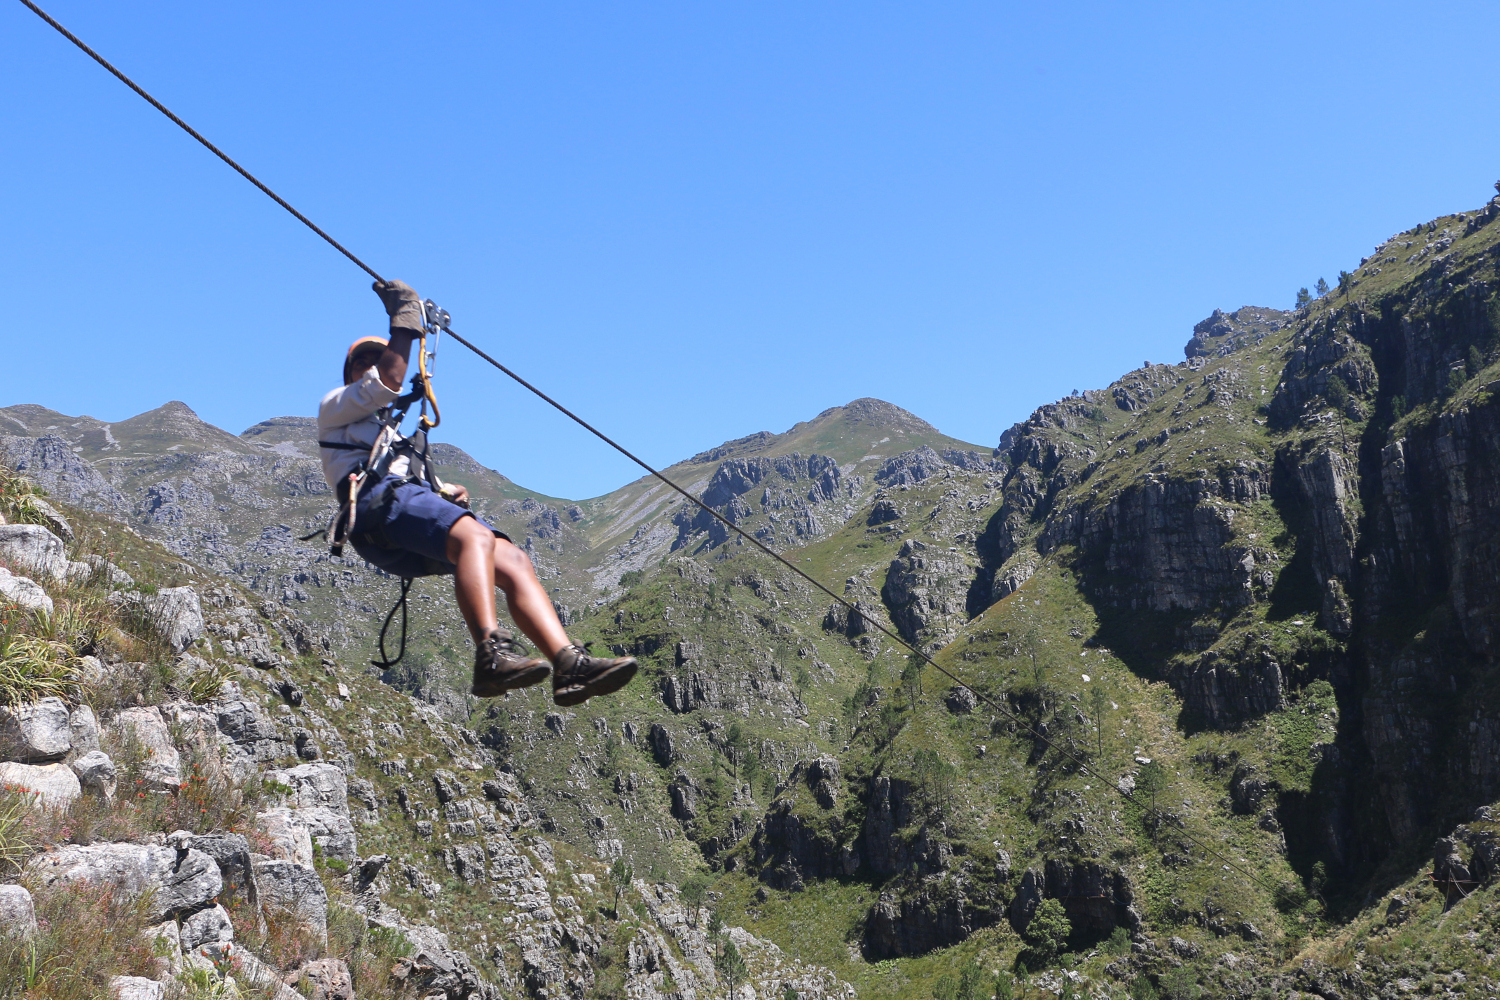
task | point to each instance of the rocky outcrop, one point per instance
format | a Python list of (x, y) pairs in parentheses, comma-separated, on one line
[(1435, 547), (17, 912), (801, 836), (96, 773), (796, 495), (24, 591), (1168, 544), (291, 891), (942, 911), (892, 806), (319, 798), (144, 733), (1223, 333), (1224, 686), (926, 591)]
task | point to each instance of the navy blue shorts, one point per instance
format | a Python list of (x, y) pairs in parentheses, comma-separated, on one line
[(402, 527)]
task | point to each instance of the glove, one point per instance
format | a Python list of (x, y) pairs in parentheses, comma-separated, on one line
[(402, 305)]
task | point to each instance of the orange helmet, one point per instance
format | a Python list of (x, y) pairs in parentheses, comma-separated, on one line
[(354, 349)]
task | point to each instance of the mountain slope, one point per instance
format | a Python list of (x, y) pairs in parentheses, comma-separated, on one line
[(1258, 588)]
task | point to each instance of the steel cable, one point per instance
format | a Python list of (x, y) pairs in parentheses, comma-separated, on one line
[(1079, 764)]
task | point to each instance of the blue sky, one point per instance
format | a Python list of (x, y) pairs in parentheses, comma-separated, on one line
[(695, 221)]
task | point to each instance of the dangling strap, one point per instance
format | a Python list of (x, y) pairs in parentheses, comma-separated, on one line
[(385, 663)]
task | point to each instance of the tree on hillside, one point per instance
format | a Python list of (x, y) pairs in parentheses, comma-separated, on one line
[(716, 931), (693, 892), (970, 982), (1303, 298), (1346, 282), (1337, 393), (735, 745), (620, 876), (1098, 704), (911, 681), (1150, 783), (935, 779), (1321, 288), (1047, 933), (731, 966)]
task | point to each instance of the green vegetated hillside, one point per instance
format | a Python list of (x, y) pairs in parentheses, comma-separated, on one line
[(1226, 631)]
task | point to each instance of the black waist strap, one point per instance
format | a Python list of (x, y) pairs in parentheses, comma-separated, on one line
[(342, 446)]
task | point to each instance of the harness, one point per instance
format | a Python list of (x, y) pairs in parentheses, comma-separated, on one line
[(389, 445)]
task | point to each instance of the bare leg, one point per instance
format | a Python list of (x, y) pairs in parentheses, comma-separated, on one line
[(471, 548), (485, 562), (530, 607)]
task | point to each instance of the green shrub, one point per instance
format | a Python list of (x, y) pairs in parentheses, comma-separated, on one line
[(1180, 984), (32, 667), (1047, 934)]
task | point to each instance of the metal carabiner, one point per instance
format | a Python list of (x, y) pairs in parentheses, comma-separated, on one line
[(434, 320)]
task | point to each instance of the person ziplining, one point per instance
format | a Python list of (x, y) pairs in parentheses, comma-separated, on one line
[(401, 519)]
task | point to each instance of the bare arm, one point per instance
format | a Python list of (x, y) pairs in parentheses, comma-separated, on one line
[(394, 362), (405, 310)]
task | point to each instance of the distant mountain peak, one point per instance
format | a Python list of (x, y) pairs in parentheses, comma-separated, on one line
[(849, 433)]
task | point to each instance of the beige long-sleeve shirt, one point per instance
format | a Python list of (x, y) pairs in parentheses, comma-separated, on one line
[(347, 416)]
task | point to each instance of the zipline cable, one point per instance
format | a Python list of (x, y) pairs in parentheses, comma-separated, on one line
[(1082, 767)]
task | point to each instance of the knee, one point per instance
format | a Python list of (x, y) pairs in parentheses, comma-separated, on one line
[(511, 560), (471, 535)]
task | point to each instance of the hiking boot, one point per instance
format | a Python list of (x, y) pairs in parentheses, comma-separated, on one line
[(500, 666), (579, 676)]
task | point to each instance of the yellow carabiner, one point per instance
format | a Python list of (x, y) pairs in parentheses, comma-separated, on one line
[(427, 393)]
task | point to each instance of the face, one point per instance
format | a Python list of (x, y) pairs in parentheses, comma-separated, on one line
[(362, 361)]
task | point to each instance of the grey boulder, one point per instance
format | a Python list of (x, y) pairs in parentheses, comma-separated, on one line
[(24, 591), (287, 836), (326, 979), (147, 730), (320, 798), (17, 915), (136, 988), (52, 518), (231, 852), (96, 773), (52, 785), (113, 575), (35, 732), (178, 881), (208, 928), (83, 730), (293, 891), (31, 548), (179, 616)]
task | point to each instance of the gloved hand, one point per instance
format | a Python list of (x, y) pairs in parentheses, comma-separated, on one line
[(402, 305)]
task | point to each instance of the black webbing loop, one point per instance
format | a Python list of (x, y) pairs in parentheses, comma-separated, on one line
[(385, 663)]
